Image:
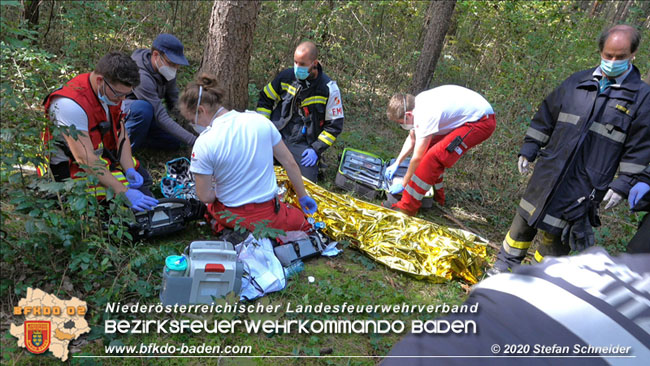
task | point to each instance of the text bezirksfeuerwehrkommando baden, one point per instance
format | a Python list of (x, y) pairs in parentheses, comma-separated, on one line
[(331, 326)]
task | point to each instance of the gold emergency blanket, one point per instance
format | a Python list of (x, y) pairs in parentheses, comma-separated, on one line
[(415, 246)]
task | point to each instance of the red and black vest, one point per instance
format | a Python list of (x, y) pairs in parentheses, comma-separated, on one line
[(102, 133)]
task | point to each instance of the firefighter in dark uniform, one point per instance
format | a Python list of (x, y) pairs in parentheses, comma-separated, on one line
[(639, 199), (306, 107), (595, 122), (584, 310)]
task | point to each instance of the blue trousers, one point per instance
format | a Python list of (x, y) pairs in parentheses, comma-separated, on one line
[(143, 129)]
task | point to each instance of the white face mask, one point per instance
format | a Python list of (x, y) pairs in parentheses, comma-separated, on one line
[(168, 72), (407, 127)]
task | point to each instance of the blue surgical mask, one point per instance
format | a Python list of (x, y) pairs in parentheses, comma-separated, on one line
[(614, 68), (302, 72), (104, 98)]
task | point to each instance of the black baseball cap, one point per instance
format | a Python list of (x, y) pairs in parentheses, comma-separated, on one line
[(171, 47)]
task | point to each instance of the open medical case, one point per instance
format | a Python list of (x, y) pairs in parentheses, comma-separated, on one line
[(363, 173)]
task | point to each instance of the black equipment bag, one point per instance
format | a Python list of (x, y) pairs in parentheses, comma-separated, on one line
[(169, 216)]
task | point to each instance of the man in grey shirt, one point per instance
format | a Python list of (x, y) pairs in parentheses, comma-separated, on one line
[(149, 123)]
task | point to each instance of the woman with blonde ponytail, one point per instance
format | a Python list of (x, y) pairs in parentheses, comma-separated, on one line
[(235, 150)]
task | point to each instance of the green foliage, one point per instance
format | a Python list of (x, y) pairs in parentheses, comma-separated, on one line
[(56, 236)]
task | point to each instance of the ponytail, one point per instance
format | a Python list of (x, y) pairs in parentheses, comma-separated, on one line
[(211, 93)]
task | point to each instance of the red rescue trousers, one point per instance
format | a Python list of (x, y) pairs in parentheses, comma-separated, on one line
[(437, 158), (288, 218)]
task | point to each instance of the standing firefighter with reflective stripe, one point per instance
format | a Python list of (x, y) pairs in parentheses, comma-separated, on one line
[(306, 107), (443, 123), (91, 104), (595, 123)]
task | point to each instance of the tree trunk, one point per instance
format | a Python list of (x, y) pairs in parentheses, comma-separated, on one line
[(439, 17), (228, 48), (595, 9), (49, 20), (32, 8), (584, 5), (643, 21), (174, 18), (622, 16), (610, 9), (617, 11)]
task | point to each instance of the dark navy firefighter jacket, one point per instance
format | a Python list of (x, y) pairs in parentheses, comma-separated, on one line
[(582, 137)]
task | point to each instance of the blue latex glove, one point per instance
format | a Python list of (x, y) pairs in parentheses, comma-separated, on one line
[(139, 201), (134, 178), (308, 204), (637, 192), (390, 171), (309, 157), (396, 188)]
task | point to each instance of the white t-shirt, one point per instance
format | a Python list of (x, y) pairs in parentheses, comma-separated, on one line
[(237, 150), (440, 110), (65, 112)]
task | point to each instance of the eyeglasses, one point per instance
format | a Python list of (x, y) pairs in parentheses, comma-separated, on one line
[(168, 61), (117, 95)]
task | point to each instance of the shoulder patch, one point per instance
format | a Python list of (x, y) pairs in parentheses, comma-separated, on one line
[(334, 102)]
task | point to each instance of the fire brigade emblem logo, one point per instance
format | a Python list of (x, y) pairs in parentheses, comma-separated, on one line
[(37, 335)]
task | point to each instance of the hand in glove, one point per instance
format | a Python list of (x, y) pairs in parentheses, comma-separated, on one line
[(579, 235), (637, 192), (309, 157), (139, 201), (134, 178), (612, 199), (390, 171), (308, 204), (522, 164), (396, 188)]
